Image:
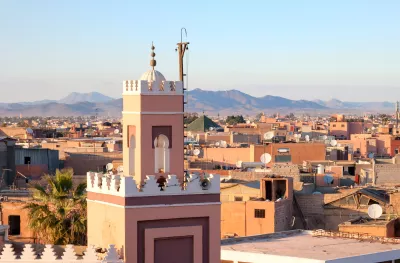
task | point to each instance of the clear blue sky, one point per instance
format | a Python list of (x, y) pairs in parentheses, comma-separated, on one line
[(345, 49)]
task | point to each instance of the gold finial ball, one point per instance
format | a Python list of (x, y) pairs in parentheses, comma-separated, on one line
[(153, 54)]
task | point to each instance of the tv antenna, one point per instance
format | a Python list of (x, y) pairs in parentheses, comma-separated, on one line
[(181, 49)]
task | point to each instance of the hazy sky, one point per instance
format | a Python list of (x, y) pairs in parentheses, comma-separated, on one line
[(298, 49)]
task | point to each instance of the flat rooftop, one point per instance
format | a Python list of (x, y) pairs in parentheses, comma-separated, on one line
[(301, 244)]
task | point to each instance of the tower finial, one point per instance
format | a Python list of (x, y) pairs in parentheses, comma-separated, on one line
[(153, 62)]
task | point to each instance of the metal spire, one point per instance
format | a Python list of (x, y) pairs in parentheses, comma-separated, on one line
[(153, 62)]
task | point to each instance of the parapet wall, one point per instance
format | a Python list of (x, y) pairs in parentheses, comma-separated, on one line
[(386, 174), (136, 87), (49, 254), (125, 186)]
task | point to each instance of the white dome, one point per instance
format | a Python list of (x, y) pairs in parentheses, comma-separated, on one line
[(152, 75)]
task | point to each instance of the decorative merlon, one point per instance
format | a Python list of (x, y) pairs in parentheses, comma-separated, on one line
[(69, 256), (126, 186), (136, 87)]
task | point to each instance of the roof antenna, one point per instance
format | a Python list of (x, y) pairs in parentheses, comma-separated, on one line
[(182, 47)]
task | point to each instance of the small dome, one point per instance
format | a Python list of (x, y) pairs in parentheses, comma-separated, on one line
[(152, 75)]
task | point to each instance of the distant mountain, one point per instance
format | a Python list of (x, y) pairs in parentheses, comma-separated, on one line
[(111, 108), (212, 102), (234, 101), (94, 97), (366, 106)]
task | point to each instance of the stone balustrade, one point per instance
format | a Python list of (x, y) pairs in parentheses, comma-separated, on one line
[(126, 185), (29, 254)]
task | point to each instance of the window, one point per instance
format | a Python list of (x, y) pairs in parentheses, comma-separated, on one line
[(283, 158), (27, 160), (239, 198), (396, 151), (342, 125), (334, 125), (259, 213), (15, 225)]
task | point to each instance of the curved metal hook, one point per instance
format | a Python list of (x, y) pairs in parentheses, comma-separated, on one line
[(182, 32)]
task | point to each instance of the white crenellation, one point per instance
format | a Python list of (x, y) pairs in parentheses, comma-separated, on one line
[(136, 87), (90, 254), (48, 253), (69, 253), (69, 256), (126, 186), (8, 253), (29, 253)]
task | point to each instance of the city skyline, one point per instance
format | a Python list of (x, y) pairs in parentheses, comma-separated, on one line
[(308, 50)]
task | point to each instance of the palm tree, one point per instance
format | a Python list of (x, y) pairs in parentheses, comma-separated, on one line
[(57, 214)]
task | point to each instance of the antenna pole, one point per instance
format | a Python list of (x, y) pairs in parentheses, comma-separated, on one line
[(181, 49), (397, 115)]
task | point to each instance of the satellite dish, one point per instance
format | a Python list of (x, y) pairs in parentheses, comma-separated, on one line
[(109, 166), (223, 144), (374, 211), (217, 144), (29, 130), (116, 131), (317, 193), (211, 128), (333, 143), (120, 169), (247, 122), (324, 137), (269, 135), (307, 137), (371, 155), (44, 141), (328, 179), (373, 128), (196, 152), (239, 164), (265, 158)]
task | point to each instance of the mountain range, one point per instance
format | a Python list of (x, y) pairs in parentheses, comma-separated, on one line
[(211, 102)]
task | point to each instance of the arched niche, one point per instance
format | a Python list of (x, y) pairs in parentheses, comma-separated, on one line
[(161, 154)]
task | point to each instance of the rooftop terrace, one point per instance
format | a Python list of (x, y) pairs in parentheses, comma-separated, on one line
[(307, 246)]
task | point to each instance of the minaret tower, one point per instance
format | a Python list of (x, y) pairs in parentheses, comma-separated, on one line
[(153, 125), (147, 211)]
